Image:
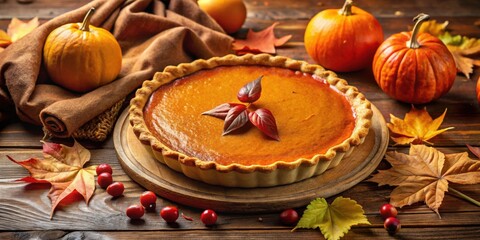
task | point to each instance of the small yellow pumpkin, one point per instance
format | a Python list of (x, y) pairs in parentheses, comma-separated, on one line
[(81, 57)]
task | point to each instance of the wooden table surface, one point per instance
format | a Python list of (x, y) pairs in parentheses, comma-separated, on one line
[(24, 209)]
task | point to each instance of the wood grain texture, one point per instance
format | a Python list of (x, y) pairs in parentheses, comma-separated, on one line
[(24, 209)]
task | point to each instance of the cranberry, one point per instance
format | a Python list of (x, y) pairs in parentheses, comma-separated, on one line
[(392, 224), (115, 189), (289, 217), (104, 168), (388, 210), (208, 217), (169, 214), (135, 211), (148, 199), (104, 179)]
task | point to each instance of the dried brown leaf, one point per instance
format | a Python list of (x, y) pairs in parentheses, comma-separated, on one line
[(424, 175)]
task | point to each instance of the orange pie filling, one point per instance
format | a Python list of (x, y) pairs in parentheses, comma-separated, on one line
[(311, 115)]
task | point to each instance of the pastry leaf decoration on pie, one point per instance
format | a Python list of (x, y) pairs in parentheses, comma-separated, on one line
[(237, 115), (236, 118), (251, 91)]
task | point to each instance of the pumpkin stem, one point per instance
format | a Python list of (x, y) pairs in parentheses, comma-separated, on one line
[(347, 8), (413, 43), (86, 21)]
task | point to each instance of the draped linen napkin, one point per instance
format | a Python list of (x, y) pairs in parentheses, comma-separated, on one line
[(152, 34)]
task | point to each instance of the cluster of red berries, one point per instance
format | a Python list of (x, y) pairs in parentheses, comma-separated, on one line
[(105, 180), (389, 214), (169, 213)]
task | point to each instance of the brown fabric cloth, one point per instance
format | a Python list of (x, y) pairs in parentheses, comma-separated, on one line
[(152, 35)]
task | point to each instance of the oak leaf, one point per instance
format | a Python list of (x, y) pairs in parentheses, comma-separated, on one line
[(333, 220), (417, 127), (424, 175), (260, 42), (62, 167)]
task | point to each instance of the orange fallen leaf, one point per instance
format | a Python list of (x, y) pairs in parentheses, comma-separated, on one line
[(417, 127), (424, 175), (5, 40), (62, 167), (258, 42), (18, 28)]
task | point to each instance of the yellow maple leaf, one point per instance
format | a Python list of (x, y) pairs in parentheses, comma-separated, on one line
[(18, 28), (333, 220), (417, 127), (424, 175)]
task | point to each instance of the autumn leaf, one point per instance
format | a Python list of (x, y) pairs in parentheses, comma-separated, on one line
[(474, 150), (433, 27), (258, 42), (333, 220), (424, 175), (5, 40), (236, 118), (62, 167), (461, 47), (417, 127), (264, 120), (16, 30)]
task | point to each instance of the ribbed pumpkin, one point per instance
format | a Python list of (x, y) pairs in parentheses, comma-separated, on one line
[(478, 90), (344, 39), (81, 57), (414, 68)]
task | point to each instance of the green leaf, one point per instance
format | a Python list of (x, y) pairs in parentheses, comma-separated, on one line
[(333, 220)]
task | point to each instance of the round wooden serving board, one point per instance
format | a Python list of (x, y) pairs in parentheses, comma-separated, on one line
[(140, 165)]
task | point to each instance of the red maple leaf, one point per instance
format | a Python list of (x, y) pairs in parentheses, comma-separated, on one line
[(62, 167), (258, 42)]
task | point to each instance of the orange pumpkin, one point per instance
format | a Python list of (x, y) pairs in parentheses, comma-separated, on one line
[(343, 40), (414, 68), (478, 90), (81, 57)]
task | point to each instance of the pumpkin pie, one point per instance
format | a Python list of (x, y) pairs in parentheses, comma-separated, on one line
[(319, 117)]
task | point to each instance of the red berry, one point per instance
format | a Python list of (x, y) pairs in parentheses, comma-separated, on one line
[(289, 217), (388, 210), (148, 198), (169, 214), (392, 224), (104, 168), (208, 217), (135, 211), (115, 189), (151, 207), (104, 179)]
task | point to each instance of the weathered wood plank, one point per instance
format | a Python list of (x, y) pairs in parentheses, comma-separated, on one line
[(271, 10), (27, 207), (471, 232)]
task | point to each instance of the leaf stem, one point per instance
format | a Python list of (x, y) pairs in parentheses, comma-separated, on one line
[(461, 195)]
